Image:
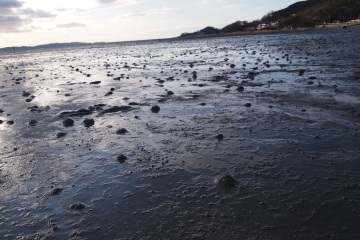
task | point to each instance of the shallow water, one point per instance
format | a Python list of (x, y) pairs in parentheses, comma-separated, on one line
[(294, 153), (347, 99)]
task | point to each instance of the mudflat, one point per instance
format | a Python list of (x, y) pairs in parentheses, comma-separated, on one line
[(241, 137)]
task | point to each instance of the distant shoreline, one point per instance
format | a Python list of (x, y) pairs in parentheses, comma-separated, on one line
[(242, 33)]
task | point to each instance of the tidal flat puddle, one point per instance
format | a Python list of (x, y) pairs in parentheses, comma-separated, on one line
[(347, 99)]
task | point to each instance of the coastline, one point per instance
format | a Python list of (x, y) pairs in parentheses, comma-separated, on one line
[(267, 32)]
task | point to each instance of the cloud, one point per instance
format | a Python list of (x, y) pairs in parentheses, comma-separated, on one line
[(147, 13), (62, 9), (160, 10), (117, 2), (15, 18), (11, 24), (9, 21), (28, 12), (217, 1), (234, 6), (71, 25), (134, 15), (6, 6), (105, 1), (10, 4)]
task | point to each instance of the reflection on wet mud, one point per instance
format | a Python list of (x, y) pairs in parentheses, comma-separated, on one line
[(244, 137)]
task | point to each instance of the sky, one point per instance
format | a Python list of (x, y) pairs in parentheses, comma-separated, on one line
[(35, 22)]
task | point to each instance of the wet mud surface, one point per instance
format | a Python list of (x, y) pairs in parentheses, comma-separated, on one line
[(244, 137)]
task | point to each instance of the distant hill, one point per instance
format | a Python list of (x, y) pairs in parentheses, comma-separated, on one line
[(51, 45), (205, 31), (312, 12), (306, 14), (239, 26)]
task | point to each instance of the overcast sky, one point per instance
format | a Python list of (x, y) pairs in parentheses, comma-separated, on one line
[(34, 22)]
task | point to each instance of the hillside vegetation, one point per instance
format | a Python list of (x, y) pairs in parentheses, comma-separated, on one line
[(306, 14)]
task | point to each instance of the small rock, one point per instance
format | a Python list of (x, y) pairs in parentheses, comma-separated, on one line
[(11, 122), (1, 121), (247, 104), (155, 109), (226, 181), (232, 65), (169, 93), (88, 122), (108, 94), (54, 192), (134, 103), (220, 137), (26, 94), (60, 134), (77, 206), (68, 122), (240, 89), (252, 74), (121, 131), (96, 82), (121, 158), (33, 122)]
